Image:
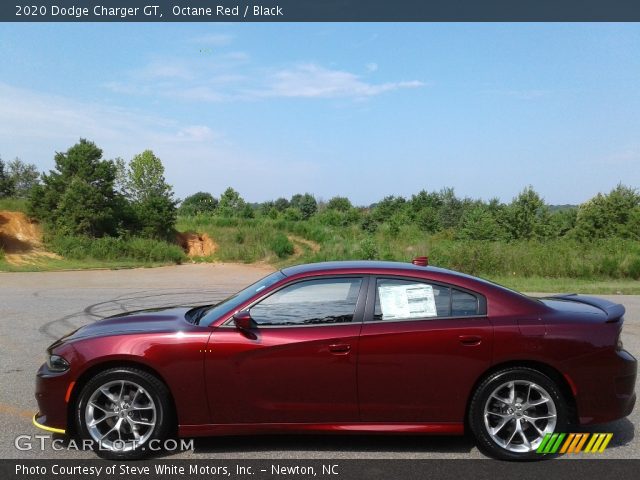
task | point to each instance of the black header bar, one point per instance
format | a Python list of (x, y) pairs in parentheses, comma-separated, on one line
[(320, 11)]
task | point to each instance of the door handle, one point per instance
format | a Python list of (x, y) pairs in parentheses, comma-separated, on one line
[(470, 340), (340, 348)]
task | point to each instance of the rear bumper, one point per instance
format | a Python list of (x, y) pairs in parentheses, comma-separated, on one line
[(606, 392)]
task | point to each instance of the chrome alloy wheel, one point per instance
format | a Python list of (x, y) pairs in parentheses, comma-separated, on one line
[(120, 415), (518, 414)]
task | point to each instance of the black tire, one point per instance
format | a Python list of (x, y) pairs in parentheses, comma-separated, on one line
[(520, 375), (153, 388)]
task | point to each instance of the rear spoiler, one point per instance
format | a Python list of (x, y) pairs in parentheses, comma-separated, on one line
[(613, 311)]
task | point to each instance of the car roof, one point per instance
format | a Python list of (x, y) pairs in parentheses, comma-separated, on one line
[(362, 265)]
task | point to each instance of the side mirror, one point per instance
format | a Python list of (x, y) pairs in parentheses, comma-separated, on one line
[(243, 321)]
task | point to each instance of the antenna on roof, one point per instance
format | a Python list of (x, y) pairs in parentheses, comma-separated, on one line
[(421, 261)]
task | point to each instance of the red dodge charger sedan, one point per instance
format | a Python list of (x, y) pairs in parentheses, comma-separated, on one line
[(341, 347)]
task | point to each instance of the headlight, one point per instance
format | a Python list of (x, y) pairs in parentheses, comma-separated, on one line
[(57, 364)]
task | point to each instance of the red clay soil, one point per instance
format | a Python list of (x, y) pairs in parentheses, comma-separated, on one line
[(18, 234), (196, 244), (21, 238)]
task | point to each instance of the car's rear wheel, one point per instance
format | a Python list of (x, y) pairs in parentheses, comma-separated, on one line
[(513, 410), (122, 411)]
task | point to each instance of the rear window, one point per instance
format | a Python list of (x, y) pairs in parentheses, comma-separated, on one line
[(398, 299)]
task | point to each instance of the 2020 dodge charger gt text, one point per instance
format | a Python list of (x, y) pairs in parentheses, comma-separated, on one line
[(379, 347)]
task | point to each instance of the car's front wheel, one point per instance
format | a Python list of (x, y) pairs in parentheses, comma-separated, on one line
[(123, 412), (513, 410)]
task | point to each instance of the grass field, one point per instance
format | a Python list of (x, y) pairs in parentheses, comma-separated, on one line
[(608, 266), (569, 285)]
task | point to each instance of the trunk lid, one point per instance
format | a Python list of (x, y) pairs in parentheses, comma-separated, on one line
[(607, 311)]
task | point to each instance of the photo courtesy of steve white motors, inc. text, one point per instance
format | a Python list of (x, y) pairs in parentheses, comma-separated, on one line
[(173, 470), (101, 12)]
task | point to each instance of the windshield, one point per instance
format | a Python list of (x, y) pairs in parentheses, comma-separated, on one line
[(233, 302)]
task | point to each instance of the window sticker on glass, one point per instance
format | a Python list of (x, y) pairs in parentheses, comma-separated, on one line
[(414, 300)]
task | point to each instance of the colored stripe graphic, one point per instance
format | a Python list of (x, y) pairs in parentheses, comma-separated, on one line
[(606, 441), (577, 443), (567, 443), (553, 443)]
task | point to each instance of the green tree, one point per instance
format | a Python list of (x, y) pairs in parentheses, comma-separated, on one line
[(341, 204), (198, 203), (306, 204), (145, 177), (292, 214), (562, 222), (78, 196), (151, 196), (609, 215), (388, 207), (369, 224), (428, 219), (451, 208), (24, 177), (266, 208), (231, 203), (7, 186), (526, 216), (424, 199), (247, 211), (281, 204), (479, 224)]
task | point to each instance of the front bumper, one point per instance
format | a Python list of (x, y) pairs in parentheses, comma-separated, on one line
[(52, 394), (40, 421)]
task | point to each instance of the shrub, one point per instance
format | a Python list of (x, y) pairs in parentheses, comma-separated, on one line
[(633, 268), (368, 249), (281, 245), (116, 248), (369, 225)]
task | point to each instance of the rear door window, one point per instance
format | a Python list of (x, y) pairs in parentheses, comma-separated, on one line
[(400, 299)]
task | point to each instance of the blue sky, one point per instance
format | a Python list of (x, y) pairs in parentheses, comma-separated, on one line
[(362, 110)]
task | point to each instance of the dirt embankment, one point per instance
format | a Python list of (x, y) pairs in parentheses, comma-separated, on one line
[(196, 244), (21, 239)]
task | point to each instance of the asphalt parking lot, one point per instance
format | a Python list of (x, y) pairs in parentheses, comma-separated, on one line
[(37, 308)]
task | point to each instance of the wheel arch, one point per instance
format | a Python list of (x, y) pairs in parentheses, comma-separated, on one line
[(106, 365), (544, 368)]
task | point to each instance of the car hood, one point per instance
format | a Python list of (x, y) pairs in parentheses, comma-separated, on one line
[(158, 320)]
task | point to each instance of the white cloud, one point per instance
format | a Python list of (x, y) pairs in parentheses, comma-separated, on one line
[(235, 56), (196, 132), (33, 126), (229, 77), (314, 81), (39, 122)]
